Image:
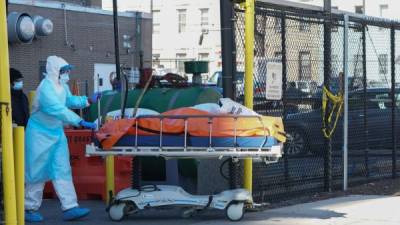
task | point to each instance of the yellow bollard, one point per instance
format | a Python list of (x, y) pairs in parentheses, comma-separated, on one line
[(248, 84), (10, 208), (31, 98), (110, 177), (19, 158)]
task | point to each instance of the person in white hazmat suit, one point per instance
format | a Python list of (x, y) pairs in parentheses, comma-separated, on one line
[(46, 147)]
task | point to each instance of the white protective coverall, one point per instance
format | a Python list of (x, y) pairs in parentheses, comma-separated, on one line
[(46, 151)]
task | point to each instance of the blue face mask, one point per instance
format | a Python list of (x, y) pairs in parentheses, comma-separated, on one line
[(64, 78), (18, 85)]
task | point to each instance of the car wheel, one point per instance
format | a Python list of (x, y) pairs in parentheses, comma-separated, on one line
[(296, 143)]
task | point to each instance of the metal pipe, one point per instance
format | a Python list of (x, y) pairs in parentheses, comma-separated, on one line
[(99, 119), (19, 157), (228, 45), (365, 102), (116, 39), (327, 76), (248, 84), (346, 101), (10, 207), (66, 42), (117, 56), (110, 176), (393, 97), (363, 5), (31, 98), (328, 6), (284, 82)]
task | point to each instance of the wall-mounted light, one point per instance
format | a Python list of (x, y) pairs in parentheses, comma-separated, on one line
[(43, 26), (20, 27)]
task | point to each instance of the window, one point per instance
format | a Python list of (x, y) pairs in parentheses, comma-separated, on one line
[(358, 65), (180, 59), (304, 25), (203, 56), (278, 23), (181, 20), (204, 18), (383, 9), (304, 66), (156, 60), (278, 56), (383, 63), (156, 21), (359, 9)]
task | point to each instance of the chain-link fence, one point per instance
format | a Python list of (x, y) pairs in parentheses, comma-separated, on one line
[(310, 46)]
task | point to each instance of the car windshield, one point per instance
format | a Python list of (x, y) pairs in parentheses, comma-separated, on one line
[(303, 85), (214, 78)]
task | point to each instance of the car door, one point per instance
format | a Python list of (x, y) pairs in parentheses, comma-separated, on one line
[(356, 121), (379, 120)]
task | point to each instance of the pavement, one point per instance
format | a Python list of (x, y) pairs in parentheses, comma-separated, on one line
[(349, 210)]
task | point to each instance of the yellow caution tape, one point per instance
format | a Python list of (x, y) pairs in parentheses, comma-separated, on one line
[(337, 107)]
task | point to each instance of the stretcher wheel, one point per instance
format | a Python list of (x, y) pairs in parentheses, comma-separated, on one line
[(117, 212), (235, 211)]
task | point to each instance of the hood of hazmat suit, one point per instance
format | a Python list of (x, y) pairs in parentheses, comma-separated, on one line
[(46, 147)]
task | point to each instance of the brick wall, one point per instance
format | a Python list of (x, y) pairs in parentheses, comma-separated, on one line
[(90, 3), (92, 37)]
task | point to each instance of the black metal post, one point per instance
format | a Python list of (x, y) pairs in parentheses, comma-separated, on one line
[(365, 109), (228, 48), (327, 75), (229, 69), (284, 82), (393, 97), (116, 40)]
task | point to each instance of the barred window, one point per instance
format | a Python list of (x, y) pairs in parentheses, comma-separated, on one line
[(305, 65), (180, 62), (383, 63), (204, 18), (156, 21), (181, 20)]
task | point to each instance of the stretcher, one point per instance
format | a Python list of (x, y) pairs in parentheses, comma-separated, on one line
[(199, 135), (188, 133)]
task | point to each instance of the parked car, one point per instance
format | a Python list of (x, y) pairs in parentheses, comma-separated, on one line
[(304, 129), (305, 86), (216, 81)]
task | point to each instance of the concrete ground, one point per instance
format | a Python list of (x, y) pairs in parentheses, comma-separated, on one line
[(354, 210)]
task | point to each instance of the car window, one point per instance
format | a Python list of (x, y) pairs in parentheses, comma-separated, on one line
[(374, 101), (239, 76), (379, 101), (303, 85), (214, 78)]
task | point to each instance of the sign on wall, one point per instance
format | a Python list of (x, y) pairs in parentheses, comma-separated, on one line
[(103, 73), (274, 81)]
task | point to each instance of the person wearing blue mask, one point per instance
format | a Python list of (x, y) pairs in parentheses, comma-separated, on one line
[(19, 101), (46, 147)]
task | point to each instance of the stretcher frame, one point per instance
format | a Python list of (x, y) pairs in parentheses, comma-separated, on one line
[(268, 154)]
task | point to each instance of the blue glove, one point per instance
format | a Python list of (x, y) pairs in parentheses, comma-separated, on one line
[(95, 97), (88, 125)]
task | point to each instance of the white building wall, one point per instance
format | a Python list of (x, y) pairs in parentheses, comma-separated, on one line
[(168, 42), (378, 39), (372, 6)]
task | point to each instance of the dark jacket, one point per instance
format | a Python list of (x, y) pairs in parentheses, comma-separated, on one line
[(20, 108)]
